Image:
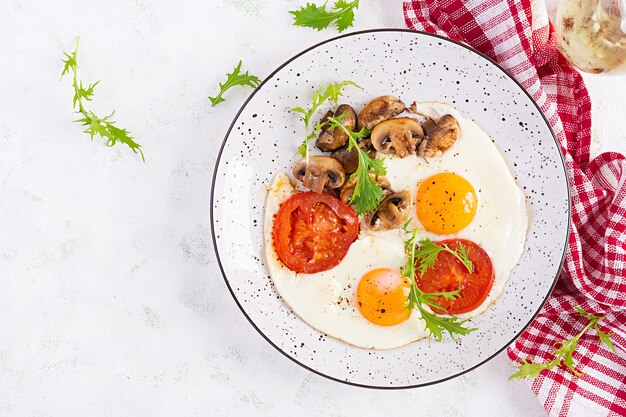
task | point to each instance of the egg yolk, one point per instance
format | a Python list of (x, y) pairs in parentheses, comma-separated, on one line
[(446, 203), (382, 297)]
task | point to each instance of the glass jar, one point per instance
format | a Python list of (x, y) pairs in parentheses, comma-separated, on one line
[(592, 34)]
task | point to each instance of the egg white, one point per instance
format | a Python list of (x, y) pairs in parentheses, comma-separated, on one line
[(327, 300)]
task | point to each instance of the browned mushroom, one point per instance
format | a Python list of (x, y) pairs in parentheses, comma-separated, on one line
[(439, 138), (320, 172), (348, 188), (378, 110), (391, 212), (329, 140), (350, 158), (400, 135), (428, 125)]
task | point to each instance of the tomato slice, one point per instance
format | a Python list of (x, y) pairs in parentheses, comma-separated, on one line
[(313, 232), (448, 273)]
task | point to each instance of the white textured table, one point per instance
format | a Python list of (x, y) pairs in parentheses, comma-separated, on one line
[(111, 303)]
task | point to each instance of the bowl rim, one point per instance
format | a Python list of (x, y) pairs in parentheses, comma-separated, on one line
[(268, 78)]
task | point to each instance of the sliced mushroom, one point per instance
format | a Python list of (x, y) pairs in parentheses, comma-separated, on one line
[(391, 213), (329, 140), (320, 172), (378, 110), (400, 135), (348, 188), (412, 108), (328, 114), (439, 138), (350, 158), (428, 125)]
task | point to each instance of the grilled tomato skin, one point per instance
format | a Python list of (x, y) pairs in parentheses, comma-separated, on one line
[(449, 274), (313, 232)]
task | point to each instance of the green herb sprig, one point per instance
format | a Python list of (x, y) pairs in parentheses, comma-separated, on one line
[(332, 93), (563, 354), (428, 251), (367, 193), (103, 126), (235, 78), (317, 17), (435, 324)]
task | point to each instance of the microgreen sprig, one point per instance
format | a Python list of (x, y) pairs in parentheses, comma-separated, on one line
[(428, 251), (435, 324), (367, 192), (563, 354), (103, 126), (332, 93), (317, 17), (233, 79)]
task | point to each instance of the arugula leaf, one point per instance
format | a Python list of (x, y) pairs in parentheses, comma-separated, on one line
[(428, 251), (563, 352), (70, 60), (346, 19), (233, 79), (435, 324), (317, 17), (605, 338), (312, 16), (86, 93), (103, 126), (367, 192), (332, 93), (583, 313), (531, 370), (462, 254)]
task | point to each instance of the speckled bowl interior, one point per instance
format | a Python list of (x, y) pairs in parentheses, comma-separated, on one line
[(413, 66)]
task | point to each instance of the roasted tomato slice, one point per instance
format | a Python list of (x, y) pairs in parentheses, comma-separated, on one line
[(313, 232), (448, 273)]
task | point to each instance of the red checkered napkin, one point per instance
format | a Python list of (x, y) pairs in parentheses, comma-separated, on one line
[(518, 35)]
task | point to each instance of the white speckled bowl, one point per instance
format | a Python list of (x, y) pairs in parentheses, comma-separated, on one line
[(263, 139)]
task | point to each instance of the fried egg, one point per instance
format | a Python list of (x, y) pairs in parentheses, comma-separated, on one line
[(468, 192)]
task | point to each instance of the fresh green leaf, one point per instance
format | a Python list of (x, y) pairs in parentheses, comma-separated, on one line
[(605, 338), (346, 19), (531, 370), (367, 193), (313, 16), (299, 110), (428, 251), (104, 127), (583, 313), (435, 324), (233, 79), (84, 93), (317, 17), (594, 320), (332, 93), (463, 256), (70, 62), (564, 351)]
